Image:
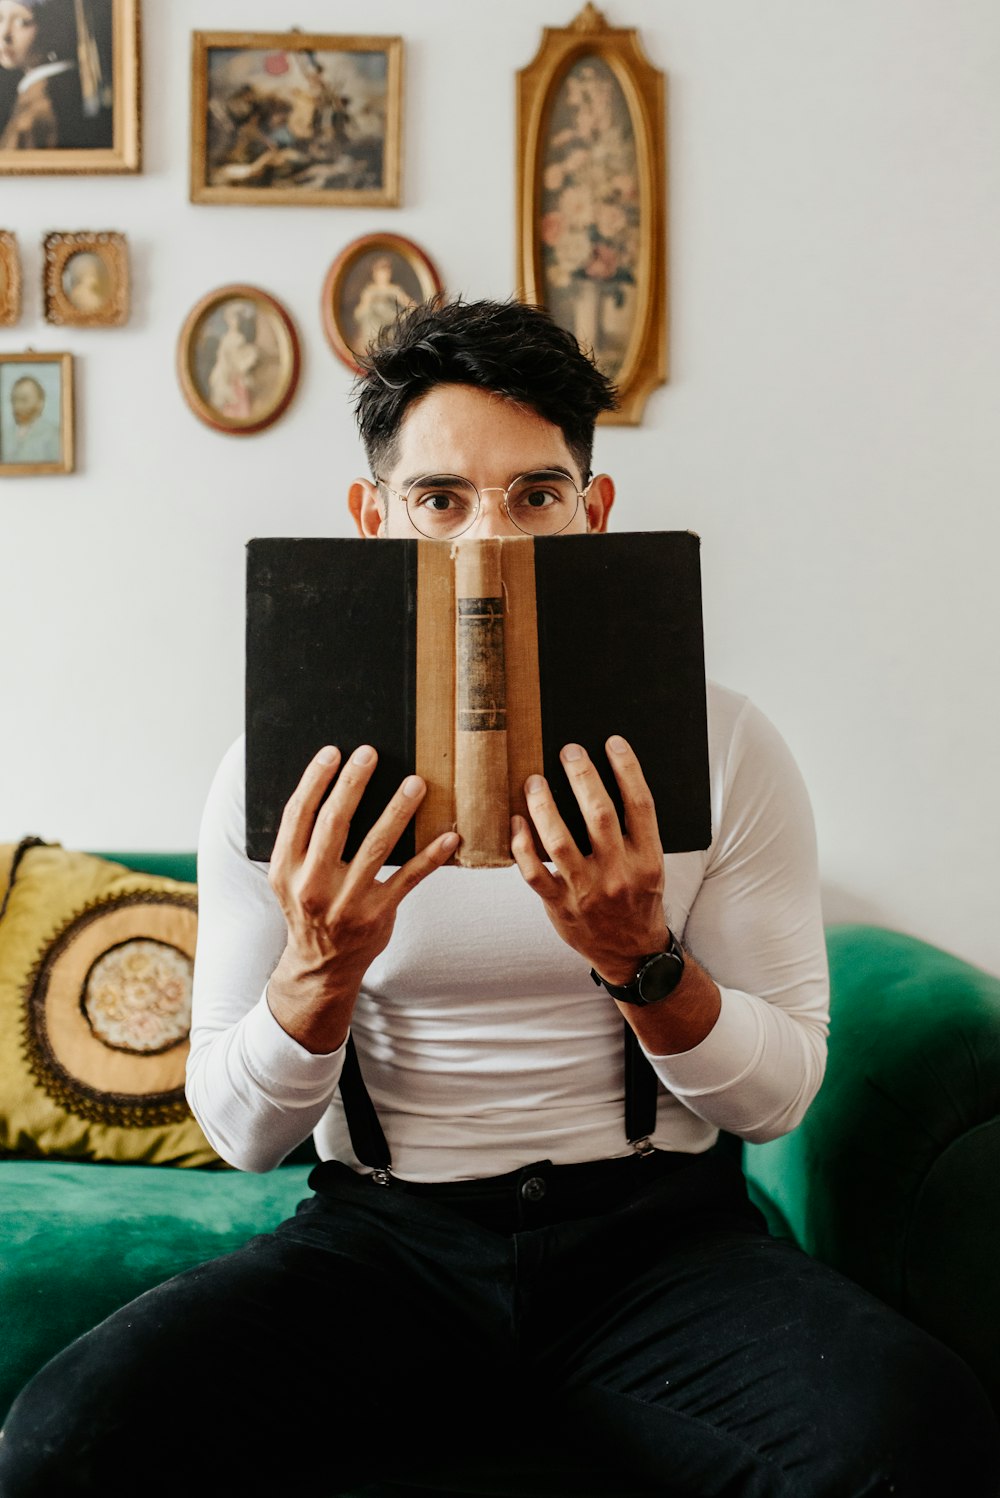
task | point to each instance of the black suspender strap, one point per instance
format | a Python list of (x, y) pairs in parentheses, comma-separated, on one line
[(640, 1090), (367, 1139), (371, 1147)]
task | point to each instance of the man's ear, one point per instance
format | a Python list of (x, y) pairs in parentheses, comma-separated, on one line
[(600, 498), (365, 505)]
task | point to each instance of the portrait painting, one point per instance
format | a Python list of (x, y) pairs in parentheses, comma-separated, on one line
[(10, 279), (69, 86), (238, 360), (369, 284), (86, 282), (36, 414), (592, 199), (285, 117)]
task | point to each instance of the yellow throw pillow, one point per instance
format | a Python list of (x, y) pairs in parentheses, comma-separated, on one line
[(95, 1009)]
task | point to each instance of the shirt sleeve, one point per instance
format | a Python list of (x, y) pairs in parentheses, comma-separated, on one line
[(756, 926), (254, 1090)]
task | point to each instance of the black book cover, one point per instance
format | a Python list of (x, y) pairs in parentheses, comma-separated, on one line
[(331, 658)]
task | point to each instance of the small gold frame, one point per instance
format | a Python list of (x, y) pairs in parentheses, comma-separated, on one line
[(242, 388), (53, 443), (268, 143), (357, 260), (86, 281), (592, 227), (124, 154), (10, 279)]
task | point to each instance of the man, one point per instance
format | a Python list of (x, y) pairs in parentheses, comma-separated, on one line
[(512, 1287), (34, 439)]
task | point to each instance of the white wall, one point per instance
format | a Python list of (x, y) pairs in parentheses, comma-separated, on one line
[(831, 428)]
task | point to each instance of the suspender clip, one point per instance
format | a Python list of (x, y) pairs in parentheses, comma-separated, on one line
[(643, 1146), (381, 1177)]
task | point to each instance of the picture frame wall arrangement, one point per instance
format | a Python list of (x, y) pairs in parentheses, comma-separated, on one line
[(591, 199), (238, 359), (70, 89), (10, 279), (36, 414), (370, 282), (86, 279), (295, 117)]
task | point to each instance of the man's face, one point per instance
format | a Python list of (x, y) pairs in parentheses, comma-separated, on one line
[(482, 437), (26, 402)]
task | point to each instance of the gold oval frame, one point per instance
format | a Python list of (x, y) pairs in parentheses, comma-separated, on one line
[(203, 408), (644, 88), (417, 260)]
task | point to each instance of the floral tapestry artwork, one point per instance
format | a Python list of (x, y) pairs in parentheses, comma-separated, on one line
[(590, 212)]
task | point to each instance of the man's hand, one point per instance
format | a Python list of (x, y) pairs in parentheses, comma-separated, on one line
[(339, 915), (608, 906)]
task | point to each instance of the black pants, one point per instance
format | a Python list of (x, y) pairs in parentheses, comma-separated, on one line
[(635, 1319)]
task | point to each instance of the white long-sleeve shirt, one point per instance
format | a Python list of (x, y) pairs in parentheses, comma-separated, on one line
[(484, 1043)]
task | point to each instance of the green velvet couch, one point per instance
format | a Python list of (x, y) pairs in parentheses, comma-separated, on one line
[(893, 1176)]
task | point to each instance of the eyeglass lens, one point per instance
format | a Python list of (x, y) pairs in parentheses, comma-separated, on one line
[(444, 505)]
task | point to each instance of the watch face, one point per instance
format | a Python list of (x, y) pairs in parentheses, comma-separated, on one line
[(660, 977)]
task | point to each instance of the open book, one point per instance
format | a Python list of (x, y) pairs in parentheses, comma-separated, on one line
[(473, 663)]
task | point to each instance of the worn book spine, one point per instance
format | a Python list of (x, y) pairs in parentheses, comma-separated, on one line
[(482, 801)]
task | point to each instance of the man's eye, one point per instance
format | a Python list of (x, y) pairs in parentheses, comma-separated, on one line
[(538, 498), (438, 501)]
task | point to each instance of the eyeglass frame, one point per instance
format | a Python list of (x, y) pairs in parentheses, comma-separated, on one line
[(489, 489)]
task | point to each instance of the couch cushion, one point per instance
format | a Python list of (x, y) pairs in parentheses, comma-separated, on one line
[(95, 986), (78, 1241)]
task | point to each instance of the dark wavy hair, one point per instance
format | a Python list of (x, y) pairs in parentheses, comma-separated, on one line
[(508, 348)]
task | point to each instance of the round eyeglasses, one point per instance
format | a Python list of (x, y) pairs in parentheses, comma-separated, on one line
[(443, 505)]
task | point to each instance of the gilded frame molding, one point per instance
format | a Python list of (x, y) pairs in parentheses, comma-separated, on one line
[(641, 255), (69, 309), (124, 155), (65, 462), (237, 423), (339, 276), (202, 190), (10, 279)]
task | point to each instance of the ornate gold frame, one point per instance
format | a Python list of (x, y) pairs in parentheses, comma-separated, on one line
[(201, 191), (419, 262), (125, 152), (644, 364), (112, 249), (65, 462), (235, 426), (10, 296)]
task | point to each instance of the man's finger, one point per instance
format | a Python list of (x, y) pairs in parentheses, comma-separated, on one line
[(553, 833), (333, 822), (637, 799), (534, 873), (386, 832), (299, 814), (410, 874), (598, 809)]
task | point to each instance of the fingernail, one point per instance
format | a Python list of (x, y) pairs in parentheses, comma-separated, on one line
[(327, 756), (364, 755), (617, 744), (412, 785), (450, 842), (572, 751), (534, 784)]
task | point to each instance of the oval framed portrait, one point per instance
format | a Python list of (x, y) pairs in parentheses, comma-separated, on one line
[(238, 360), (371, 281)]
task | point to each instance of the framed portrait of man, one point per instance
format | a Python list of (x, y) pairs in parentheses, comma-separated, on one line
[(291, 117), (69, 86), (36, 414)]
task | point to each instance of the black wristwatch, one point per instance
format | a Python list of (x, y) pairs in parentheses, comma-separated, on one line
[(658, 976)]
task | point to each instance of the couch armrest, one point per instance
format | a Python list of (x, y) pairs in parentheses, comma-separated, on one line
[(892, 1176)]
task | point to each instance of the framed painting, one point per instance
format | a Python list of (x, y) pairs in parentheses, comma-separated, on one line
[(291, 117), (86, 280), (591, 212), (238, 360), (10, 279), (69, 86), (371, 281), (36, 414)]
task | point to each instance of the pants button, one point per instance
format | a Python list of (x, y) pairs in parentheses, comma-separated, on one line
[(533, 1189)]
